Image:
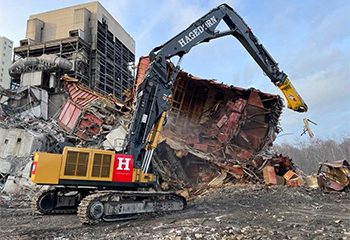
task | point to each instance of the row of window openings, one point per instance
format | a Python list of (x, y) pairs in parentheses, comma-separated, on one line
[(10, 43), (19, 140)]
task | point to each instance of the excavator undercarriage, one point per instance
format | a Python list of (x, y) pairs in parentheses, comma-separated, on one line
[(121, 205), (94, 206)]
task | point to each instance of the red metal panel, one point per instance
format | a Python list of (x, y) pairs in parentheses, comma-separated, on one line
[(237, 106), (141, 70), (229, 127), (255, 100), (80, 96), (269, 175), (88, 126), (69, 115), (123, 168)]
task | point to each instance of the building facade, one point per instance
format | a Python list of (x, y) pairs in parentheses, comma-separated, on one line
[(5, 61), (87, 35)]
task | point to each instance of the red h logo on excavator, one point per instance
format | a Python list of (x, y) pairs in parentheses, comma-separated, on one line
[(123, 163), (123, 168)]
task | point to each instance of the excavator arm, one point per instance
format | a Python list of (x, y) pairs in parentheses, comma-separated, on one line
[(155, 91)]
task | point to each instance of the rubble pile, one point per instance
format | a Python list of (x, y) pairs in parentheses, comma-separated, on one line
[(32, 121), (90, 116), (278, 170), (334, 176), (213, 133)]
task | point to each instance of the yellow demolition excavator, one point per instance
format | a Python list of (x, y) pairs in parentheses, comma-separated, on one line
[(107, 186)]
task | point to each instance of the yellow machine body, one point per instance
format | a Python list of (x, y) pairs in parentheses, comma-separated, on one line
[(89, 167)]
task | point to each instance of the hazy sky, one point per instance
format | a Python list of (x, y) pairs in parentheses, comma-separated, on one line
[(309, 39)]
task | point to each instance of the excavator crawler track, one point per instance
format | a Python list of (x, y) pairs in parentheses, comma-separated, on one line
[(125, 205), (47, 202)]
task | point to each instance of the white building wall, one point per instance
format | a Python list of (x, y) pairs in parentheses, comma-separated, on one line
[(6, 46), (56, 24), (19, 142)]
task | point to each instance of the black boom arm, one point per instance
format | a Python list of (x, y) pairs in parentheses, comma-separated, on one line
[(155, 90)]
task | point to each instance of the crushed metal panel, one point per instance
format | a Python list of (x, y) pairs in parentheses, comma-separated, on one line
[(79, 96), (246, 118), (141, 70), (88, 126), (213, 127), (290, 175), (69, 116), (86, 112), (334, 176), (338, 164), (82, 95)]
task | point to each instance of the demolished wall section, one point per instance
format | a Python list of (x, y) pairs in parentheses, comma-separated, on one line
[(19, 142), (214, 131)]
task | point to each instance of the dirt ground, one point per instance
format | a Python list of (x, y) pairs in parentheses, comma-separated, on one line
[(235, 212)]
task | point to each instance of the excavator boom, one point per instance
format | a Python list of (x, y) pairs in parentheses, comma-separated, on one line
[(155, 90)]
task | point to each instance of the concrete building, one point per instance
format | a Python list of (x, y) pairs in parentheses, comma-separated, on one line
[(86, 34), (5, 61)]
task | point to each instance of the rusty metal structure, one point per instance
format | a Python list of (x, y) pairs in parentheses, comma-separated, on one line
[(214, 131), (213, 128), (334, 176), (88, 114)]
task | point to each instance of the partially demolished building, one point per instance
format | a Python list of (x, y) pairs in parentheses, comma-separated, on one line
[(212, 129), (97, 46), (71, 86), (85, 42)]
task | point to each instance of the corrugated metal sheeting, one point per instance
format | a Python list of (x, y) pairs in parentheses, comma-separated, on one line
[(86, 112)]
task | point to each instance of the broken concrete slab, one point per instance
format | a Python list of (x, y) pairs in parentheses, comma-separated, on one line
[(27, 102), (19, 179), (20, 142), (115, 138)]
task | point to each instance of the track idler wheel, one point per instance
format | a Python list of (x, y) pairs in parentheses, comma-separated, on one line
[(45, 202), (91, 209), (95, 210)]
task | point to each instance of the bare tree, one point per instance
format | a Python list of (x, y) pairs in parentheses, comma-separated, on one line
[(308, 155)]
